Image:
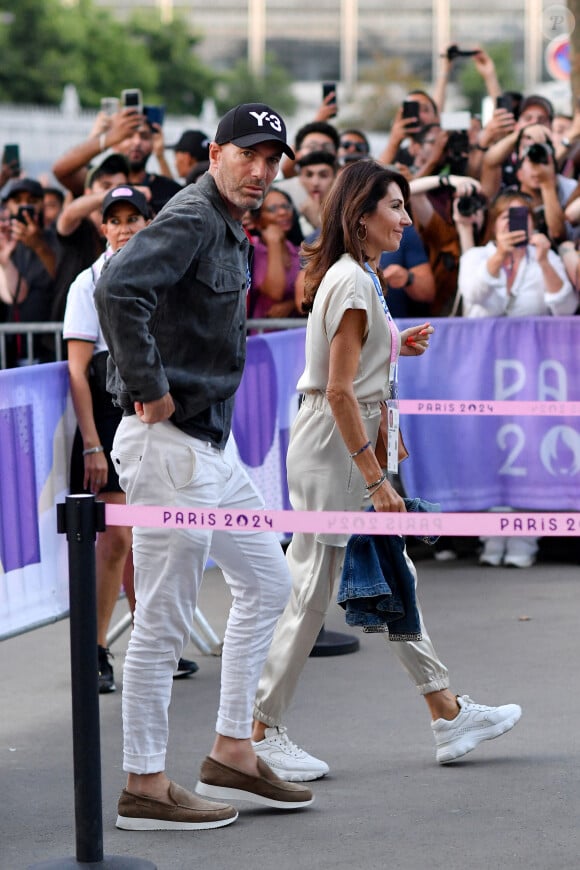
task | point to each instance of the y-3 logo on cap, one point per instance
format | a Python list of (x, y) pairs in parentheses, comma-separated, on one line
[(273, 120)]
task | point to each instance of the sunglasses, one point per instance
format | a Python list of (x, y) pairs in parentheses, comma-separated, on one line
[(283, 206), (360, 147)]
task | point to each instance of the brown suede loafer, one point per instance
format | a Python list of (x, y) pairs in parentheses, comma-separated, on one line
[(183, 811), (219, 780)]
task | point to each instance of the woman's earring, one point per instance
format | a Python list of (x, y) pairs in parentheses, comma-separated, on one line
[(362, 237)]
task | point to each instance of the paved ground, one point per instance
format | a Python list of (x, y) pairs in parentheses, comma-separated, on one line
[(514, 803)]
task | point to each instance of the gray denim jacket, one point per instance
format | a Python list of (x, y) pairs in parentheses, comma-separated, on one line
[(172, 307)]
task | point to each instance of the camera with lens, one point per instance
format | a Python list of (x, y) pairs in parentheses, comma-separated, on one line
[(454, 52), (457, 151), (539, 152), (470, 203)]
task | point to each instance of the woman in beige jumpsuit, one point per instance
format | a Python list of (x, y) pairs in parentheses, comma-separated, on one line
[(352, 346)]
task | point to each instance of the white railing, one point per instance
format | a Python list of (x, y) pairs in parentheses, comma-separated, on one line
[(29, 330)]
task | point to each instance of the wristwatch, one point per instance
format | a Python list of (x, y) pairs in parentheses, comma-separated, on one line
[(410, 278), (565, 141)]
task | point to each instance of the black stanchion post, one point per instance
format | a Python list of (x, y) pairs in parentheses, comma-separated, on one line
[(81, 518), (334, 643)]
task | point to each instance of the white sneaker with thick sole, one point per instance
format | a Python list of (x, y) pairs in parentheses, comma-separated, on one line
[(288, 761), (493, 551), (473, 724)]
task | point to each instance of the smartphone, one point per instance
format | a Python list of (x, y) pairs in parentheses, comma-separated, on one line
[(110, 105), (455, 120), (154, 114), (518, 220), (504, 101), (329, 88), (11, 158), (131, 99), (411, 109), (25, 209)]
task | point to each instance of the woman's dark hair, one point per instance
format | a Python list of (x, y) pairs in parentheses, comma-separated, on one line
[(358, 189), (294, 234), (504, 199), (421, 93)]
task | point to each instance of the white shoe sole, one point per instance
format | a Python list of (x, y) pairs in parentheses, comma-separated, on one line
[(129, 824), (490, 561), (297, 776), (238, 794), (469, 742), (515, 562)]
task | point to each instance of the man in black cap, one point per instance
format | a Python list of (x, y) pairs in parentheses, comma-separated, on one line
[(191, 150), (172, 306), (28, 255)]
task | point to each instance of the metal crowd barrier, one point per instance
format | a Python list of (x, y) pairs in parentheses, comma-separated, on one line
[(29, 330)]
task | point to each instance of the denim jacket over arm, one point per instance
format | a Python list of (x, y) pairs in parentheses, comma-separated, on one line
[(172, 307), (377, 589)]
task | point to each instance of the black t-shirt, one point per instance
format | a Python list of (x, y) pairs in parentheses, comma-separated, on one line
[(162, 189), (79, 250)]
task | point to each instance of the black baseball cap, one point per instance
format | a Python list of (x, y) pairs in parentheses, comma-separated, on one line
[(22, 185), (126, 193), (251, 123), (193, 142), (113, 164)]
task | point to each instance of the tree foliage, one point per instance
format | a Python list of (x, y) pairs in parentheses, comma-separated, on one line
[(241, 85), (45, 45)]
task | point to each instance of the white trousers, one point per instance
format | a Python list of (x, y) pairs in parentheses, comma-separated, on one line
[(160, 465)]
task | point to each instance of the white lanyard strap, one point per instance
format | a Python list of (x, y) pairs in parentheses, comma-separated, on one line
[(393, 370)]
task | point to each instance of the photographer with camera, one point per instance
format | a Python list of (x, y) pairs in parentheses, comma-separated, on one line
[(28, 259), (501, 158), (434, 202), (514, 274), (536, 176)]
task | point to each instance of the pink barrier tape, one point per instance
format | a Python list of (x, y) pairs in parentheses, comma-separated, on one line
[(489, 408), (347, 522)]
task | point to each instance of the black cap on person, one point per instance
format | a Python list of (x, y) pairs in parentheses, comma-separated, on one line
[(250, 124)]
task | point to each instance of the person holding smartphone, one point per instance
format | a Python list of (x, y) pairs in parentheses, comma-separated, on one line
[(129, 133), (514, 274), (28, 258)]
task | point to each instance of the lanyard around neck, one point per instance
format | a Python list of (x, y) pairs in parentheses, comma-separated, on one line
[(393, 329)]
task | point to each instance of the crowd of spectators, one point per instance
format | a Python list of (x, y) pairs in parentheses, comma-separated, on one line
[(50, 233), (457, 169)]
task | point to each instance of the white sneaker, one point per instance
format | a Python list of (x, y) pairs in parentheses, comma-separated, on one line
[(493, 551), (518, 560), (444, 555), (521, 552), (473, 724), (287, 760)]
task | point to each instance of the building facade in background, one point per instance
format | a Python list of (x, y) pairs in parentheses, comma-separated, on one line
[(336, 39)]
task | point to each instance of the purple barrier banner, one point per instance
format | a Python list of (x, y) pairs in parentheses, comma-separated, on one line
[(467, 463), (266, 404), (475, 463), (35, 427)]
